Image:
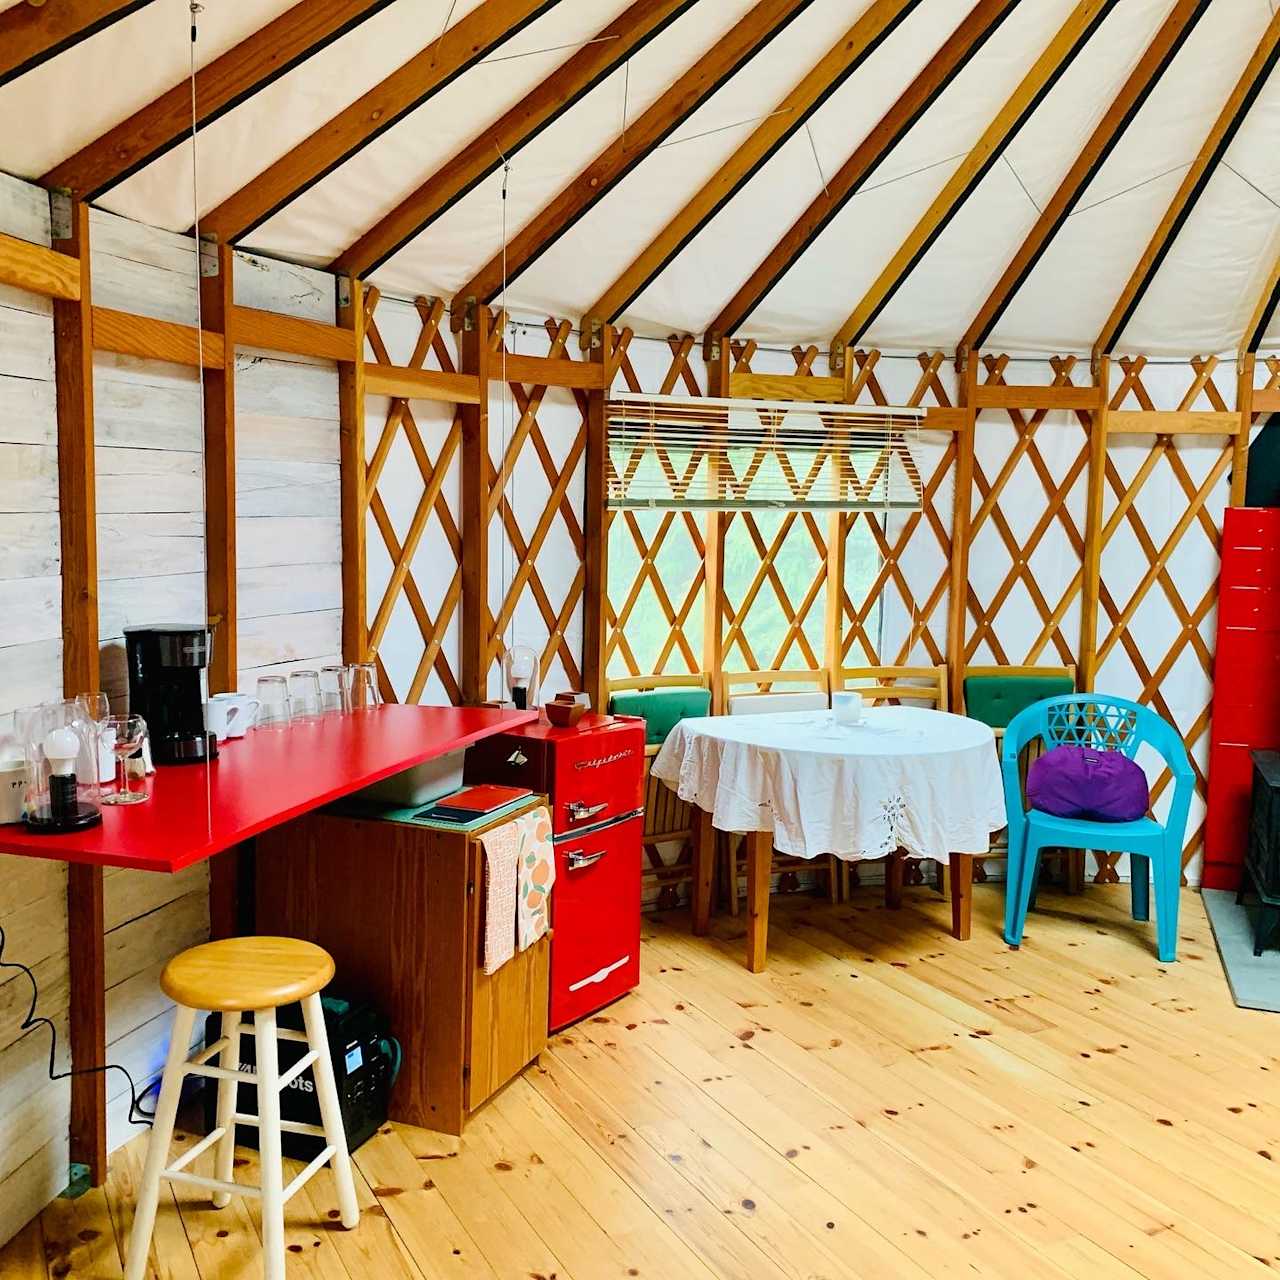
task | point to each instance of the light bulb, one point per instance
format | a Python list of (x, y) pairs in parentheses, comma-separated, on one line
[(61, 748)]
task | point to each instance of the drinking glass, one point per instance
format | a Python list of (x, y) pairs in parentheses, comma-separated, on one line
[(335, 689), (124, 735), (273, 694), (364, 686), (304, 695)]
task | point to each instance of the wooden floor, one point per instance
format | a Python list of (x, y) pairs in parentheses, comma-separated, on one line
[(883, 1102)]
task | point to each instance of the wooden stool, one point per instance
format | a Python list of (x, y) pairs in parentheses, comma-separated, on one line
[(232, 977)]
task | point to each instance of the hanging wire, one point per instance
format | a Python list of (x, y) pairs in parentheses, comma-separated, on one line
[(508, 552)]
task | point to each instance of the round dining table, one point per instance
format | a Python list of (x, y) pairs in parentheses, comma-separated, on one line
[(903, 781)]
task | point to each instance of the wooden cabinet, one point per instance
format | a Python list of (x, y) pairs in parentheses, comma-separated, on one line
[(401, 910)]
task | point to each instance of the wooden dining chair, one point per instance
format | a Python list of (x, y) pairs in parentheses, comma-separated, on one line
[(663, 701), (995, 695), (894, 686), (765, 693)]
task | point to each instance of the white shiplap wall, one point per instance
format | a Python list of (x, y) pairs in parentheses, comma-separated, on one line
[(33, 1109), (288, 512)]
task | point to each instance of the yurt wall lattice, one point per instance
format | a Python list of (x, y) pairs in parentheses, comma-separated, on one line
[(1139, 536)]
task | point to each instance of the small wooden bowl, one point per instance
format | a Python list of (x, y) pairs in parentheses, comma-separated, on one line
[(564, 715)]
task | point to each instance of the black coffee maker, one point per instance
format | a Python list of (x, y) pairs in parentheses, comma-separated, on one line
[(166, 688)]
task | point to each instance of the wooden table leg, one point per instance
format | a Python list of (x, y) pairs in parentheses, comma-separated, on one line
[(759, 868), (704, 866), (87, 1020), (961, 878), (894, 866)]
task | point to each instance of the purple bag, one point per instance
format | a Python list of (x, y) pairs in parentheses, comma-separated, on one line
[(1079, 782)]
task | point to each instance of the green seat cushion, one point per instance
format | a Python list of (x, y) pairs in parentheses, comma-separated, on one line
[(995, 700), (662, 709)]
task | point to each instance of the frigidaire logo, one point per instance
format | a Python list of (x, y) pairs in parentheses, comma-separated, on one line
[(306, 1086), (603, 760)]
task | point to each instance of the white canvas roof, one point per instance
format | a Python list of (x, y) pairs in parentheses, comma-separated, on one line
[(1199, 301)]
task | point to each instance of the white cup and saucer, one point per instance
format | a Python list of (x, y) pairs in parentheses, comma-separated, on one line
[(846, 708), (228, 715)]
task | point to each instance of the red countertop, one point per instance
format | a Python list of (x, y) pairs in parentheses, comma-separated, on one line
[(261, 780)]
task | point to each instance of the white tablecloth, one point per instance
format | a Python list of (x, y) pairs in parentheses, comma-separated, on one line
[(906, 778)]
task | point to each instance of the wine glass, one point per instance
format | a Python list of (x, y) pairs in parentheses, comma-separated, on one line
[(123, 735), (97, 708)]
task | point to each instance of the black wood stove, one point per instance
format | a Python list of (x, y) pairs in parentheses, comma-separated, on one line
[(1262, 853)]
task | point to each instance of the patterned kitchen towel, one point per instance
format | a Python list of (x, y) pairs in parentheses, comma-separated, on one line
[(537, 873), (501, 855)]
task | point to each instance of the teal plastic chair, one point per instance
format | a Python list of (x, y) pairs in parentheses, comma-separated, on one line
[(1106, 724)]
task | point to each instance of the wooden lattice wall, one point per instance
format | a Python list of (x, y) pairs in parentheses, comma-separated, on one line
[(1090, 535)]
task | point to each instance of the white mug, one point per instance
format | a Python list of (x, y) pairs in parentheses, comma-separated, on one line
[(230, 714), (13, 788)]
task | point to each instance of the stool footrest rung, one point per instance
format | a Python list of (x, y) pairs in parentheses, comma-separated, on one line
[(219, 1073), (195, 1152), (298, 1037), (286, 1126), (288, 1077), (212, 1184), (308, 1173)]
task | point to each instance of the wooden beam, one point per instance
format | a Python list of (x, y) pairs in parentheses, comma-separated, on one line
[(942, 419), (228, 80), (582, 71), (420, 384), (961, 525), (786, 386), (1057, 56), (218, 311), (413, 83), (38, 270), (132, 335), (77, 515), (714, 526), (1006, 396), (249, 327), (33, 33), (844, 57), (972, 33), (1244, 428), (543, 371), (1144, 77), (724, 59), (595, 528), (475, 353), (1220, 137), (1266, 401), (352, 314), (1162, 422), (1091, 560)]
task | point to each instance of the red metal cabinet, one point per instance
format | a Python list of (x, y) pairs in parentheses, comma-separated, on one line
[(1246, 689), (594, 777)]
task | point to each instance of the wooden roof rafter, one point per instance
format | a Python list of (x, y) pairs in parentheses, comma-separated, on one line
[(1146, 74), (593, 61), (32, 33), (697, 85), (257, 61), (1057, 56), (876, 23), (470, 39), (953, 56), (1221, 135)]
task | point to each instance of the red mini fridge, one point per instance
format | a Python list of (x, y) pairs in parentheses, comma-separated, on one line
[(594, 777), (1246, 693)]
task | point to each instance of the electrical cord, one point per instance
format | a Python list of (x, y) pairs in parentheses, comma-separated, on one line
[(31, 1020)]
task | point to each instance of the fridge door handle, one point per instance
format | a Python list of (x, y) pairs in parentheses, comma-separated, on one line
[(580, 812), (577, 859)]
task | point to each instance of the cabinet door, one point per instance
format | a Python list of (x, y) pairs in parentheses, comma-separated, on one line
[(507, 1010)]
